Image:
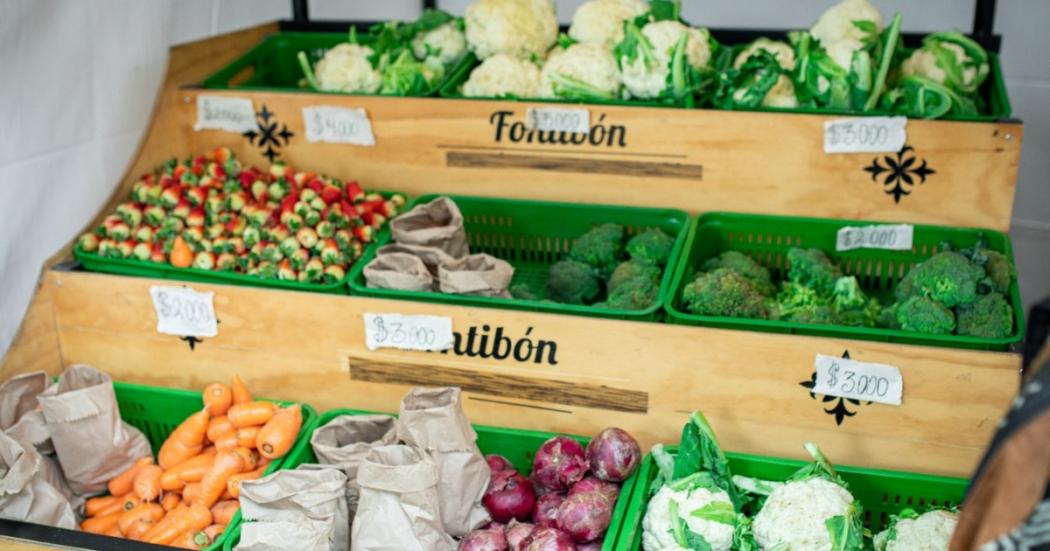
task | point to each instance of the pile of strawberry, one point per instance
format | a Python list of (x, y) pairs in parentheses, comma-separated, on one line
[(212, 213)]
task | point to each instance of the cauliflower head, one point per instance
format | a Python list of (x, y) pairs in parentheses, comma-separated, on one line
[(519, 28), (931, 531), (582, 71), (923, 62), (502, 75), (601, 21), (841, 51), (795, 513), (781, 50), (836, 23), (446, 44), (346, 68), (646, 79), (658, 533)]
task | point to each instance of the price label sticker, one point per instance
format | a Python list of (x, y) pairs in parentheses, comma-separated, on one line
[(225, 113), (865, 135), (338, 125), (847, 378), (408, 332), (184, 312), (897, 237), (558, 119)]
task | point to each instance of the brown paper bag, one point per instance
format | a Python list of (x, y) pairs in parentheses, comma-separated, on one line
[(399, 507), (477, 274), (435, 224), (345, 440), (303, 534), (20, 413), (432, 257), (401, 271), (432, 419), (92, 443), (311, 496), (24, 493)]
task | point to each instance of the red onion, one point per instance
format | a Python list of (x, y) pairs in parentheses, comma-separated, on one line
[(595, 545), (487, 539), (614, 455), (508, 496), (585, 516), (498, 463), (590, 484), (546, 511), (548, 539), (560, 462), (516, 533)]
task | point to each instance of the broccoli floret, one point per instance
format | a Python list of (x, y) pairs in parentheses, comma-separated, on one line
[(802, 304), (628, 271), (521, 291), (812, 268), (745, 266), (999, 272), (723, 292), (651, 246), (887, 318), (947, 277), (989, 316), (572, 282), (925, 315), (852, 307), (634, 294), (599, 248)]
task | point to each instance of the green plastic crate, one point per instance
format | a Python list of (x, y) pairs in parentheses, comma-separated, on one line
[(519, 446), (532, 235), (881, 493), (157, 411), (767, 239)]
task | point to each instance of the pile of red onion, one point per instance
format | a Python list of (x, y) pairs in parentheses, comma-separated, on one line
[(565, 504)]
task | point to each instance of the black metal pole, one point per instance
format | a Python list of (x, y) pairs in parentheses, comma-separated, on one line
[(300, 11), (429, 4), (984, 19)]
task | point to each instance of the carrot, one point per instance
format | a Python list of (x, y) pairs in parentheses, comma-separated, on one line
[(278, 435), (247, 435), (213, 531), (213, 484), (209, 450), (240, 391), (122, 483), (185, 441), (190, 492), (227, 442), (170, 501), (100, 525), (219, 427), (172, 479), (94, 505), (225, 495), (194, 518), (233, 485), (147, 482), (150, 511), (181, 256), (123, 503), (250, 414), (217, 398), (187, 540), (250, 457), (113, 532), (196, 472), (223, 511), (168, 519), (139, 529)]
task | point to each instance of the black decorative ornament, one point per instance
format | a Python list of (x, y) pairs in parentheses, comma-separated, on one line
[(192, 341), (841, 409), (271, 136), (900, 173)]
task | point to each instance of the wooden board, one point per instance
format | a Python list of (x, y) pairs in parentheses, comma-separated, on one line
[(583, 374)]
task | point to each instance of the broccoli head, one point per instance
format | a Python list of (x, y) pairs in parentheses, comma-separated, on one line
[(628, 271), (947, 277), (634, 294), (887, 318), (572, 282), (745, 266), (852, 307), (599, 248), (990, 316), (812, 268), (652, 246), (999, 272), (925, 315), (723, 292), (802, 304), (521, 291)]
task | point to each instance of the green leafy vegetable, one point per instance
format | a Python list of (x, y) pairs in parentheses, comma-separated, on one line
[(699, 451), (846, 532), (717, 511)]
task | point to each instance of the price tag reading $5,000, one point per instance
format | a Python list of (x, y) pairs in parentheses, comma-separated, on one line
[(897, 237), (183, 312), (408, 332), (858, 380)]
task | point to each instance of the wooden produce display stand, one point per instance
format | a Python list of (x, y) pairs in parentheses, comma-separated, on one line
[(580, 374)]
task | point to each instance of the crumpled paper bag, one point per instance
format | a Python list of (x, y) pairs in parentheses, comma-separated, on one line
[(477, 274), (432, 257), (92, 443), (20, 413), (432, 419), (399, 508), (435, 224), (311, 496), (400, 271), (344, 442), (283, 535), (25, 494)]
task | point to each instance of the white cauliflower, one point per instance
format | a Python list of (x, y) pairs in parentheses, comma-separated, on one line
[(923, 63), (782, 94), (446, 44), (580, 72), (646, 77), (836, 23), (784, 53), (345, 68), (524, 29), (842, 51), (601, 21), (931, 531), (794, 514), (657, 534), (502, 75)]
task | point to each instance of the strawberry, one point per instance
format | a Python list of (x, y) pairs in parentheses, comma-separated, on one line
[(170, 197), (125, 248), (214, 205), (373, 197), (314, 269), (88, 243), (260, 190), (299, 259), (302, 177), (364, 234), (343, 239), (235, 245), (226, 262), (307, 237), (197, 196), (288, 246), (373, 219), (245, 178), (277, 169), (218, 245), (285, 271), (204, 260), (330, 252), (192, 235), (144, 233), (195, 218), (221, 154), (317, 203), (277, 190), (301, 207), (155, 215), (142, 251), (307, 194), (325, 229), (279, 233), (157, 254), (179, 172), (251, 236), (272, 253), (354, 193), (107, 248), (331, 194), (236, 225), (334, 274), (119, 231), (236, 201), (316, 185), (266, 270)]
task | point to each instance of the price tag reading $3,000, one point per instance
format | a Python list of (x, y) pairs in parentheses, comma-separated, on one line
[(858, 380), (183, 312), (408, 332), (865, 135)]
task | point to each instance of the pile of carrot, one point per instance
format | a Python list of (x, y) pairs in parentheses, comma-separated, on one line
[(188, 496)]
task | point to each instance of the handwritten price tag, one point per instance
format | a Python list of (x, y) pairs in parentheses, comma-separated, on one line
[(891, 237), (408, 332), (558, 119), (338, 125), (225, 113), (858, 380), (865, 135), (184, 312)]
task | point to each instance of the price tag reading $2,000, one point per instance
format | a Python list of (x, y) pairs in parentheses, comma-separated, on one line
[(183, 312), (225, 113), (858, 380), (865, 135), (408, 332), (325, 123), (897, 237)]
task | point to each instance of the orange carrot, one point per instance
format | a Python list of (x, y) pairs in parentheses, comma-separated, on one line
[(147, 482), (223, 511), (94, 505), (233, 485), (186, 441), (190, 492), (122, 483), (217, 398), (113, 532), (100, 525), (227, 464), (168, 519), (170, 501), (171, 479), (219, 427), (278, 435), (181, 256), (250, 457), (196, 472), (209, 450), (139, 529), (246, 436), (194, 518), (213, 532), (227, 442), (225, 495), (187, 540), (150, 511), (240, 391), (250, 414)]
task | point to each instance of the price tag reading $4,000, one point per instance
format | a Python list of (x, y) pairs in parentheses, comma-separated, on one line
[(896, 237), (325, 123), (408, 332), (184, 312), (858, 380)]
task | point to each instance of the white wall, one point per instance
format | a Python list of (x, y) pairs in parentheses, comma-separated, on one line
[(79, 79)]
